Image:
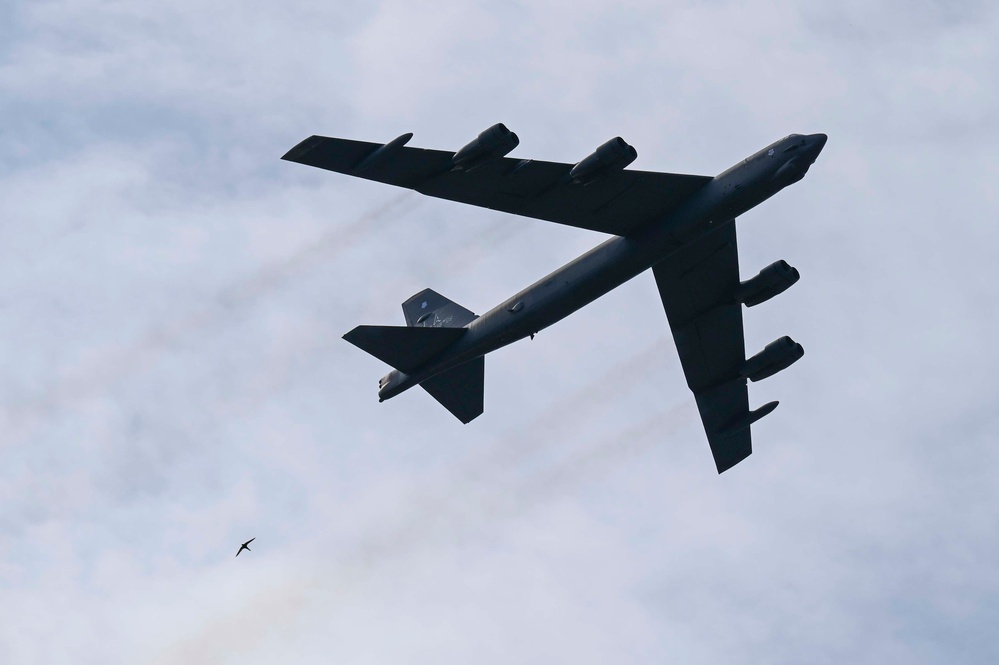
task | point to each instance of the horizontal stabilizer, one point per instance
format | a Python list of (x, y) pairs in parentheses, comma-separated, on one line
[(460, 389), (402, 347)]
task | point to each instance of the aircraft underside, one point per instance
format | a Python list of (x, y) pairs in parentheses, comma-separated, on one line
[(682, 226)]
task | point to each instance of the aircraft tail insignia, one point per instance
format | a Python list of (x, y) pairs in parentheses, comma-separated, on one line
[(429, 309)]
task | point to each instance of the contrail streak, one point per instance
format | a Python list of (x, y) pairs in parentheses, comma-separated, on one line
[(325, 247), (469, 504), (592, 399), (113, 365), (512, 466), (283, 607)]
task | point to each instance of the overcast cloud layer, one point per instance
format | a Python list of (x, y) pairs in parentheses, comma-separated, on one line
[(172, 297)]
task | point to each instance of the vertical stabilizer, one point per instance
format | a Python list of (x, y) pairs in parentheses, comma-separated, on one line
[(429, 309)]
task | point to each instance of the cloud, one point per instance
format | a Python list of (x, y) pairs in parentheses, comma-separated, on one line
[(173, 295)]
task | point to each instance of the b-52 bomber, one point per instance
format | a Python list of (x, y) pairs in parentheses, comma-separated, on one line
[(681, 226)]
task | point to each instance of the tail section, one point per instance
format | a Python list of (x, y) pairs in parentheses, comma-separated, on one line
[(459, 389), (429, 309), (433, 323)]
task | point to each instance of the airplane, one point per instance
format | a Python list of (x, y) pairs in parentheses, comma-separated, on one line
[(681, 226)]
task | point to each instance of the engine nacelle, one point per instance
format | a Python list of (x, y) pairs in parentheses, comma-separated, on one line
[(383, 153), (791, 172), (776, 356), (491, 144), (772, 280), (611, 156)]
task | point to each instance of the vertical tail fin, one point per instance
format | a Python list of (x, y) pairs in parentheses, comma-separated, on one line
[(459, 389), (429, 309)]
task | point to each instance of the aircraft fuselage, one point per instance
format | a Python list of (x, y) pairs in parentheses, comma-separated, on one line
[(617, 260)]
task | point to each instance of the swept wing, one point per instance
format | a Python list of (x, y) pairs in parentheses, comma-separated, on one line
[(617, 203), (698, 287)]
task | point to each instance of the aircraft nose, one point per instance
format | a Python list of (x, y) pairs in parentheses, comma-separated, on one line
[(815, 144)]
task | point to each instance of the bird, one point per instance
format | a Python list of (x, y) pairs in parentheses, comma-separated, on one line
[(244, 546)]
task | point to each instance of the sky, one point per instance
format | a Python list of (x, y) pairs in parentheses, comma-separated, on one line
[(172, 297)]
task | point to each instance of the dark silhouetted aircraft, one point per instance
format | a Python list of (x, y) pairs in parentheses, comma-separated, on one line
[(681, 226), (245, 546)]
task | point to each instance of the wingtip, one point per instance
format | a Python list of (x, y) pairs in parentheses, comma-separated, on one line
[(725, 462), (300, 150), (724, 465)]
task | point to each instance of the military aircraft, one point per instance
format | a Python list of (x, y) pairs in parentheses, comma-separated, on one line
[(681, 226)]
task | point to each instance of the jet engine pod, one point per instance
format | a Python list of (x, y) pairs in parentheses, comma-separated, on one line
[(776, 356), (791, 172), (493, 143), (611, 156), (772, 280)]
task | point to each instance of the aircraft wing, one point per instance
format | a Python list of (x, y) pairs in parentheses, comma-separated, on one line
[(698, 287), (618, 202)]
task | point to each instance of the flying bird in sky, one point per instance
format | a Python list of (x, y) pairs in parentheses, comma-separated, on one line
[(245, 546)]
